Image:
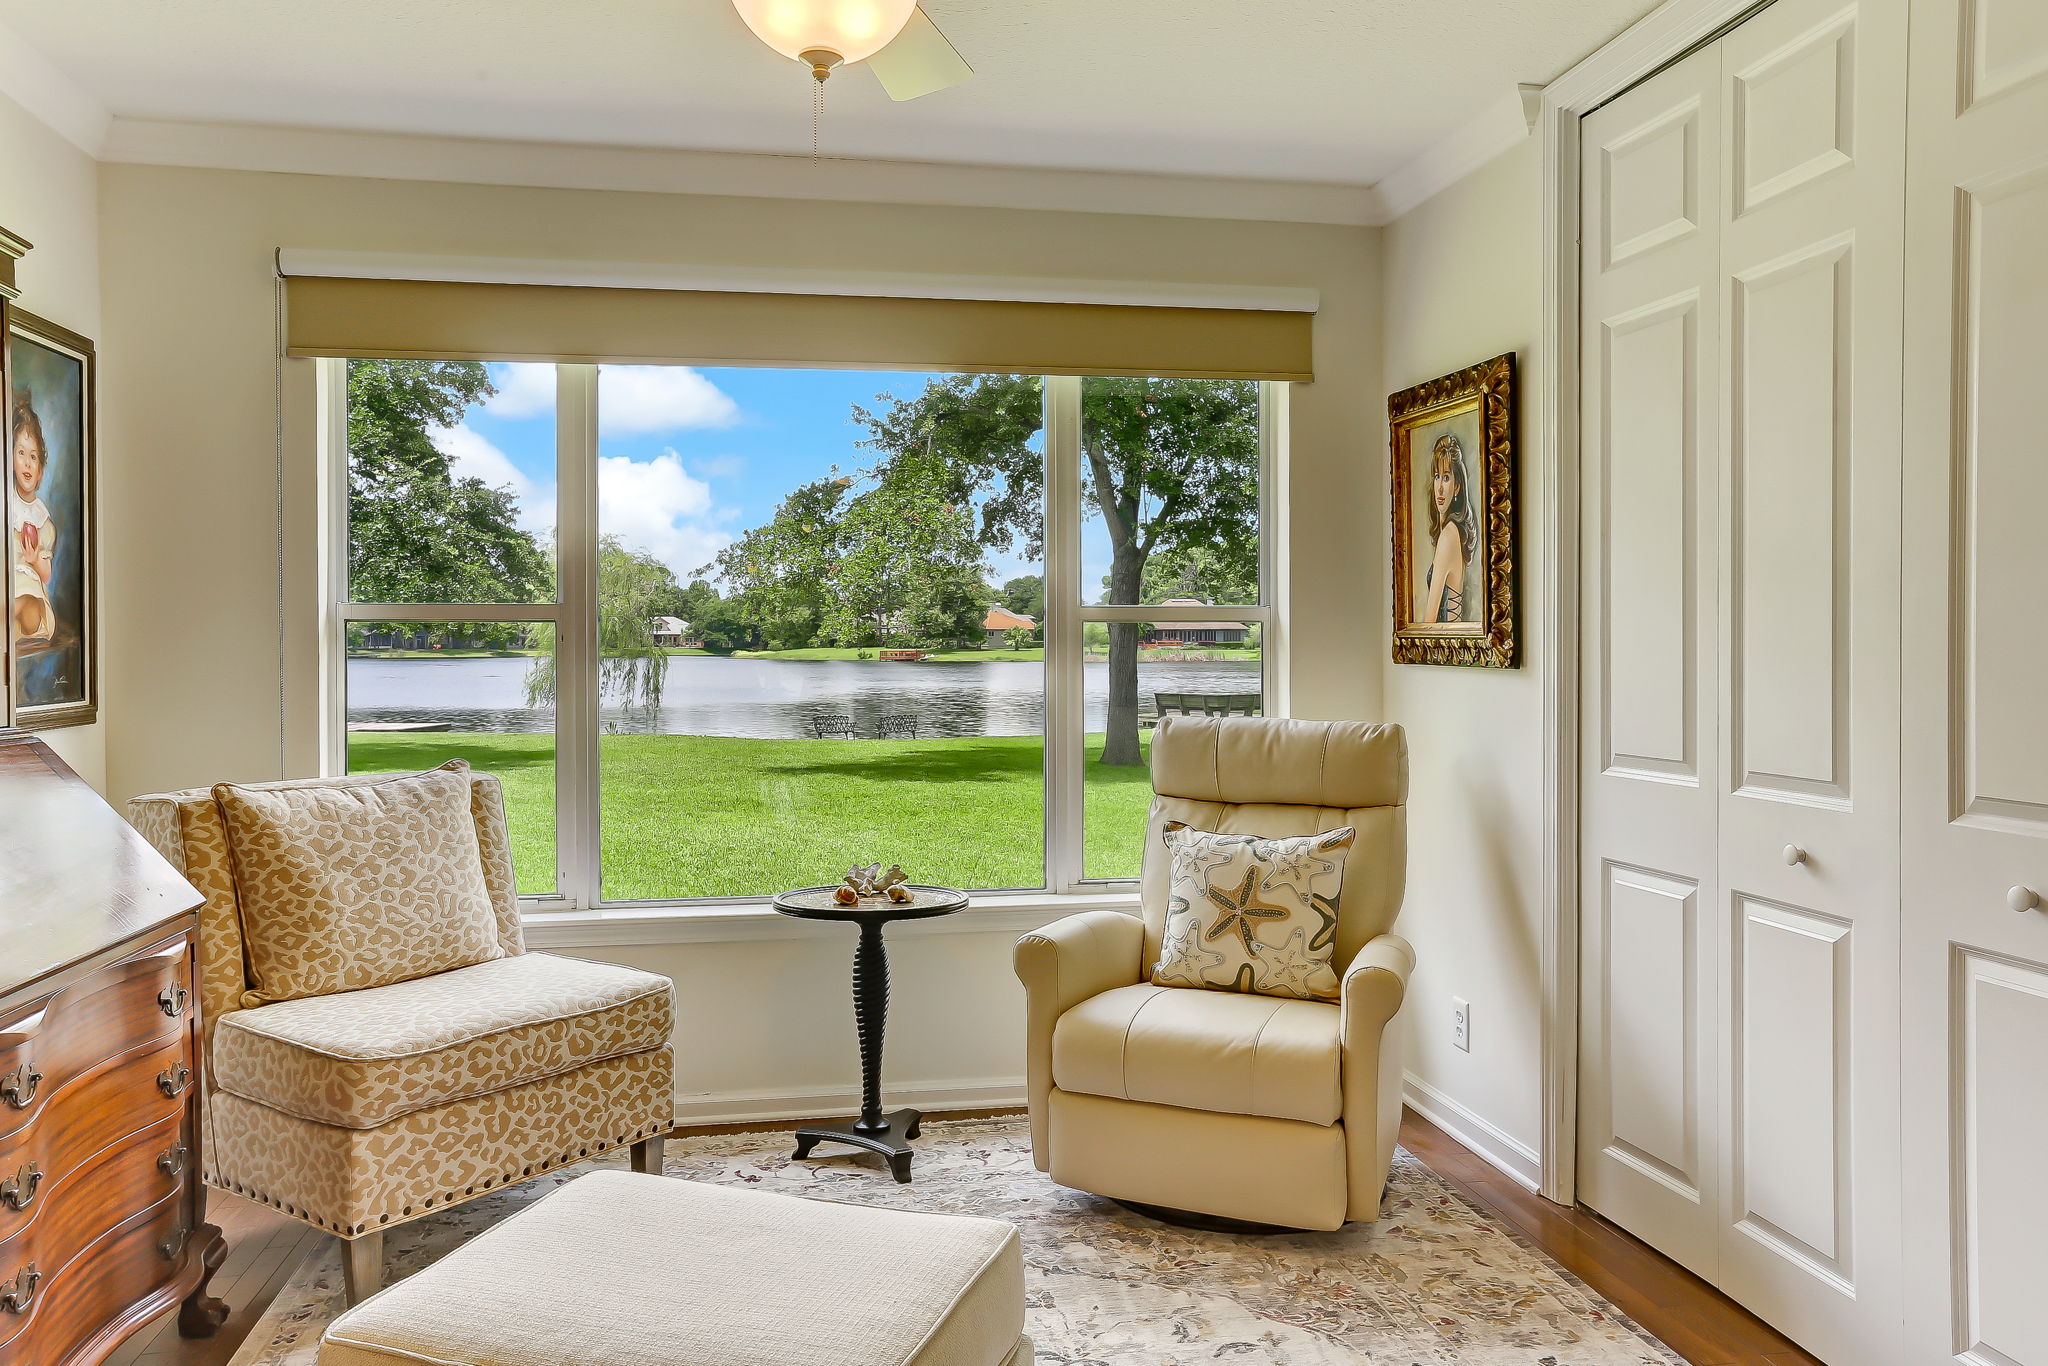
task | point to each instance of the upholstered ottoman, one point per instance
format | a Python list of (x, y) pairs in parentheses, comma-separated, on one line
[(620, 1269)]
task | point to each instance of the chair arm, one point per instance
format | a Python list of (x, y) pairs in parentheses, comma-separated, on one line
[(1061, 966), (1374, 985)]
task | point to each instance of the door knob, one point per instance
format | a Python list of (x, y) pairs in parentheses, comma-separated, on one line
[(2023, 899), (1794, 856)]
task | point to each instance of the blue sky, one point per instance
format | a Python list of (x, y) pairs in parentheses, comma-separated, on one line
[(688, 458)]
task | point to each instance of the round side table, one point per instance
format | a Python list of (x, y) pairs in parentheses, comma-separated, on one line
[(888, 1134)]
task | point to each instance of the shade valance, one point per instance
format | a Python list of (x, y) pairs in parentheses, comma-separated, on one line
[(579, 324)]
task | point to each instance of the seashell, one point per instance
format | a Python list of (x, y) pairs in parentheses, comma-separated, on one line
[(899, 893), (845, 896)]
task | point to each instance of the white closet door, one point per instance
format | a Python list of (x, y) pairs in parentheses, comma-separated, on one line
[(1811, 256), (1651, 931), (1975, 840), (1741, 252)]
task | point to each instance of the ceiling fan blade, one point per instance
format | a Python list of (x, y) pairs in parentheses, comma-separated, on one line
[(919, 60)]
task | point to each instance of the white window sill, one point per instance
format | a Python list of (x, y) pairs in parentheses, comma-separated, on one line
[(1011, 913)]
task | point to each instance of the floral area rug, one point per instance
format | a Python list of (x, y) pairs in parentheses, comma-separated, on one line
[(1436, 1282)]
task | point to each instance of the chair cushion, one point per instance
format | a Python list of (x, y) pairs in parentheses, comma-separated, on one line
[(342, 887), (359, 1058), (619, 1269), (1204, 1050), (1251, 914)]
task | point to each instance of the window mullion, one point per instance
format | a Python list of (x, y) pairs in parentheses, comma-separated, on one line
[(1066, 706), (1275, 548), (576, 648)]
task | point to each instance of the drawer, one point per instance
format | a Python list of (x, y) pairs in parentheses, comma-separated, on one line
[(97, 1288), (69, 1211), (99, 1109), (62, 1038)]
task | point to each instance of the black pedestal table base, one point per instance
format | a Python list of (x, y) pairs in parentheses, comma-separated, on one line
[(891, 1140)]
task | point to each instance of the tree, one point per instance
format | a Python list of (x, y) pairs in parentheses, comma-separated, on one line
[(1213, 573), (691, 604), (417, 532), (630, 666), (780, 575), (1025, 595), (1166, 464)]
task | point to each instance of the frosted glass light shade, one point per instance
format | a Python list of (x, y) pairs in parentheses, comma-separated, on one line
[(855, 29)]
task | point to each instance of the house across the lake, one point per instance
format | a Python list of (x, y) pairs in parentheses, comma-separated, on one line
[(672, 631), (1000, 621), (1194, 632)]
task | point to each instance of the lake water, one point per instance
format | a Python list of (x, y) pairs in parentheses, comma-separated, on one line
[(768, 698)]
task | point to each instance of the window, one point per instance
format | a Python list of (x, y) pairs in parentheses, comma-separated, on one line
[(725, 631)]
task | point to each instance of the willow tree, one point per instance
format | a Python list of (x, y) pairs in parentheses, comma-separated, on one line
[(1169, 466), (631, 668)]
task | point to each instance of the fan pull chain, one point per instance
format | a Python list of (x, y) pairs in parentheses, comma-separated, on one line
[(817, 114)]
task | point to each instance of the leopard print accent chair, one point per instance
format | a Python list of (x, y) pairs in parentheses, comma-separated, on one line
[(364, 1109)]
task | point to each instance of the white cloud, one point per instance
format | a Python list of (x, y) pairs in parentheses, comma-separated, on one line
[(639, 399), (722, 467), (633, 400), (652, 505), (661, 508), (470, 455), (523, 390)]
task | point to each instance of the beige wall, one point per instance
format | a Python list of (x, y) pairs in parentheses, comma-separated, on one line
[(1463, 282), (194, 571), (49, 194)]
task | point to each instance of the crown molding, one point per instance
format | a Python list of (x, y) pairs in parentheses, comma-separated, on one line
[(36, 83), (399, 156), (1499, 125)]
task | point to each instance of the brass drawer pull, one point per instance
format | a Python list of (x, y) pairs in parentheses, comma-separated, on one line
[(18, 1088), (18, 1294), (19, 1190), (172, 1243), (173, 1080), (171, 1161), (172, 1000)]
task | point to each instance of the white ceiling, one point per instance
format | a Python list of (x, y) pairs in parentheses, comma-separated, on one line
[(1340, 91)]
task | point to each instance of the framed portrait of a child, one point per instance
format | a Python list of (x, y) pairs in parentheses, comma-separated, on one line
[(52, 625), (1453, 481)]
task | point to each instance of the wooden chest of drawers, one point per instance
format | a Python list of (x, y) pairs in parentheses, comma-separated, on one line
[(102, 1214)]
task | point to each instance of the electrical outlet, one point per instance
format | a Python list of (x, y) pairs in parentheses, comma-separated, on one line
[(1461, 1024)]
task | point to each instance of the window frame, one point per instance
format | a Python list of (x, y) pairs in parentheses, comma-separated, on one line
[(574, 616)]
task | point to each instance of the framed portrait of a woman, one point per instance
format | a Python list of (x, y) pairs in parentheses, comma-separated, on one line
[(1453, 480), (51, 612)]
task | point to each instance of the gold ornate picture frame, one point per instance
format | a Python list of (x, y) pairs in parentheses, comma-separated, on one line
[(1451, 447)]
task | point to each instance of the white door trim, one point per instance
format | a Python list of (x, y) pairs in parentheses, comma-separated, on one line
[(1659, 37)]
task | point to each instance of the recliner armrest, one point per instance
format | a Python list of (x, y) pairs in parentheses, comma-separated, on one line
[(1374, 984), (1079, 956), (1061, 966)]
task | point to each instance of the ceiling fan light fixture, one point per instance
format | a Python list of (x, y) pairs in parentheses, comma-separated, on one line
[(815, 32)]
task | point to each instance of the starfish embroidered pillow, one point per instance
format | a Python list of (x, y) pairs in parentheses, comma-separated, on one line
[(1244, 913)]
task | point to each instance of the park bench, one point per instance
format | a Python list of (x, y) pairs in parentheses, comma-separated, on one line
[(900, 727), (1201, 704), (833, 725)]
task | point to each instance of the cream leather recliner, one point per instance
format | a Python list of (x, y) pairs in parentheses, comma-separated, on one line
[(1219, 1103)]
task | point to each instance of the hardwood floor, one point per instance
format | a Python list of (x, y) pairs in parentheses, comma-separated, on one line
[(1699, 1322)]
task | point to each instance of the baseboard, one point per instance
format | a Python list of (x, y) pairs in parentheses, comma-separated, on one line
[(1500, 1149), (833, 1102)]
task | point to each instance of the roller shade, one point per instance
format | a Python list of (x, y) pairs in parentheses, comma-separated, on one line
[(578, 324)]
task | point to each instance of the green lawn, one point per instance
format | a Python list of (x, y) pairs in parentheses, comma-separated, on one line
[(690, 815)]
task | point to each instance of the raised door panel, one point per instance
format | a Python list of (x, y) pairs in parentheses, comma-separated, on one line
[(2002, 562), (1789, 365), (1794, 112), (1793, 985), (2000, 1110), (2005, 43), (1648, 555), (1650, 184), (1651, 1013)]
